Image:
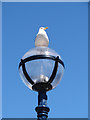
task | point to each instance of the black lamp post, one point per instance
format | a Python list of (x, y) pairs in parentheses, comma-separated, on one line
[(41, 69)]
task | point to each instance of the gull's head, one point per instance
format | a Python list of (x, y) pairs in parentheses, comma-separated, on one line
[(43, 28)]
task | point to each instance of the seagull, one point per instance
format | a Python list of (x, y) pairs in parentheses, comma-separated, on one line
[(42, 38)]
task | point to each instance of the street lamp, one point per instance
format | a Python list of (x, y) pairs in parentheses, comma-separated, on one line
[(41, 69)]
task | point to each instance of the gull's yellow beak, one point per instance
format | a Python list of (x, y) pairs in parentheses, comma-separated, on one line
[(45, 28)]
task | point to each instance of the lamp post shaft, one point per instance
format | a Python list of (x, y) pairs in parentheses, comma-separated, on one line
[(42, 109)]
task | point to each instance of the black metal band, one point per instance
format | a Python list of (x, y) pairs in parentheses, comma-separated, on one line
[(34, 57), (54, 71), (56, 59), (25, 73)]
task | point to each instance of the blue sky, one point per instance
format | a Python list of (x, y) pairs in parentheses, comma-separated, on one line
[(68, 34)]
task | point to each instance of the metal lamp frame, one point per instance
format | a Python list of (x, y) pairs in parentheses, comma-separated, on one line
[(42, 109)]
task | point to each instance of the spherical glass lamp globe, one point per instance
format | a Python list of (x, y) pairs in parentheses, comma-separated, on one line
[(41, 68)]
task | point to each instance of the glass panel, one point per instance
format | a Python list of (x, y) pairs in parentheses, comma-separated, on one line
[(40, 70)]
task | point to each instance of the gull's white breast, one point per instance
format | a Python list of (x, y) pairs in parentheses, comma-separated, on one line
[(41, 39)]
